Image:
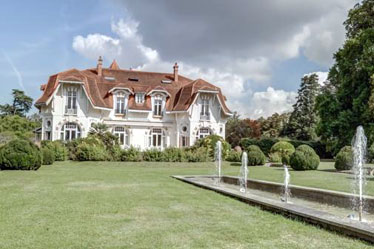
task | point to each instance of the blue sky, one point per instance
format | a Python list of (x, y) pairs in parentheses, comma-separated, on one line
[(258, 62)]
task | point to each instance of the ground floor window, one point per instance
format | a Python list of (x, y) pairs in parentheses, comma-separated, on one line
[(122, 134), (70, 131), (184, 141), (48, 135), (203, 132), (157, 138)]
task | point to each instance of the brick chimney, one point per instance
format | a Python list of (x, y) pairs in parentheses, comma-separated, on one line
[(176, 72), (100, 66)]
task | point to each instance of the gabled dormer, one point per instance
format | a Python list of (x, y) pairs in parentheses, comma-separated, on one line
[(120, 99)]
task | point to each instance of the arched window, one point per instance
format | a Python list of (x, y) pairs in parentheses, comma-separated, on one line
[(157, 138), (70, 131), (123, 136), (203, 132)]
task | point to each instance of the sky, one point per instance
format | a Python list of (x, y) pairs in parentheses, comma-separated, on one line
[(256, 51)]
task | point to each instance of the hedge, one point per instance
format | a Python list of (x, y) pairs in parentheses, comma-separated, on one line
[(48, 156), (20, 154)]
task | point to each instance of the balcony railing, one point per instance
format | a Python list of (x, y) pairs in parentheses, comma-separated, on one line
[(70, 111), (120, 111)]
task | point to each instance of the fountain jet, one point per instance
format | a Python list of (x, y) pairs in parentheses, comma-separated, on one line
[(243, 173), (359, 153), (218, 161), (286, 190)]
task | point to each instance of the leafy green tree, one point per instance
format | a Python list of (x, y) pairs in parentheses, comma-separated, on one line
[(348, 99), (272, 126), (303, 119), (20, 106), (19, 126), (237, 128)]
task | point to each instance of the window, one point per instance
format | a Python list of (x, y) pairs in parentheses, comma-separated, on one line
[(120, 105), (203, 132), (123, 136), (157, 138), (184, 142), (204, 114), (71, 102), (139, 98), (48, 135), (157, 106), (70, 131)]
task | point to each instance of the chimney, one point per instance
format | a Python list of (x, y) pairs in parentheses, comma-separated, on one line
[(176, 72), (100, 66)]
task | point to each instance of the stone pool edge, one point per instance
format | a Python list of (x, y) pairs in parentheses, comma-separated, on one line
[(325, 220)]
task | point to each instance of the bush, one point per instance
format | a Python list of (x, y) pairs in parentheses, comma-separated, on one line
[(275, 158), (344, 159), (284, 150), (59, 149), (234, 156), (48, 156), (370, 156), (255, 156), (153, 155), (20, 155), (172, 154), (131, 154), (210, 142), (304, 158), (265, 144), (197, 155), (90, 148)]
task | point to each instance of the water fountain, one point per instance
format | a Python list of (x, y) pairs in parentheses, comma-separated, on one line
[(243, 173), (359, 152), (286, 190), (218, 161)]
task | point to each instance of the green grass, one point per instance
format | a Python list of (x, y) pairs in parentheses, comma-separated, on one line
[(138, 205), (325, 177)]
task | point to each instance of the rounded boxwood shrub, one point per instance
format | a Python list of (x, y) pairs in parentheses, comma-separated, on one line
[(255, 156), (20, 155), (284, 150), (275, 158), (48, 156), (234, 156), (344, 159), (304, 158), (210, 142)]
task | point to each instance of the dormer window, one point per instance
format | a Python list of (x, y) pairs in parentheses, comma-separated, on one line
[(71, 102), (120, 103), (204, 114), (139, 98), (157, 106)]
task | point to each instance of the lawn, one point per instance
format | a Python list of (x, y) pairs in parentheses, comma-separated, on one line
[(137, 205)]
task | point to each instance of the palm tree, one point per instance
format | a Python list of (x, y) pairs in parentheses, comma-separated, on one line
[(98, 129)]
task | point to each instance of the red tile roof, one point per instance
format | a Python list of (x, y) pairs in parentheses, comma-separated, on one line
[(181, 93)]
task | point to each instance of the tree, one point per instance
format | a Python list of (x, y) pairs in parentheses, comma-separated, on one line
[(237, 128), (98, 129), (348, 99), (20, 106), (303, 119), (272, 126)]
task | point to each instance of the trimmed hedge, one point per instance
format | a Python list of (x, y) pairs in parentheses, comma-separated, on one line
[(344, 159), (284, 149), (304, 158), (20, 154), (131, 154), (234, 156), (48, 156), (255, 156), (265, 145)]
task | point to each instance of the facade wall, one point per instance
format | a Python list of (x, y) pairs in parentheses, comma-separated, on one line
[(178, 128)]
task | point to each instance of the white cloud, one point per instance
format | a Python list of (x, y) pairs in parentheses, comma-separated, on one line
[(96, 44)]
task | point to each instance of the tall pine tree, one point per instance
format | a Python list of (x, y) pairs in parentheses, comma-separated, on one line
[(303, 119)]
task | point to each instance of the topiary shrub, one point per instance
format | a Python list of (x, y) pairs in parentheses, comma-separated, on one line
[(197, 155), (131, 154), (344, 159), (370, 153), (234, 156), (210, 142), (304, 158), (284, 150), (153, 155), (275, 158), (20, 155), (48, 156), (173, 154), (255, 156)]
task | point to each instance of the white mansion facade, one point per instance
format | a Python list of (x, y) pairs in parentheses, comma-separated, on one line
[(144, 109)]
